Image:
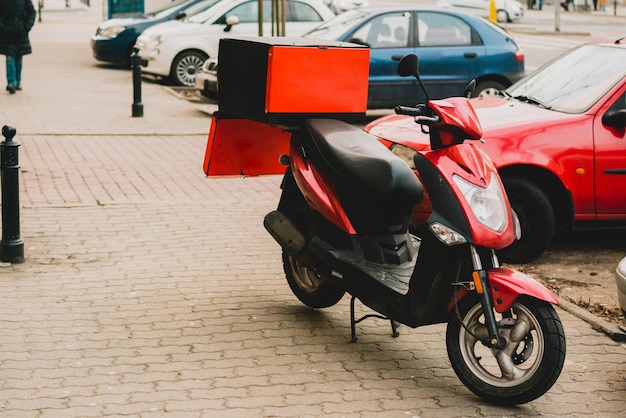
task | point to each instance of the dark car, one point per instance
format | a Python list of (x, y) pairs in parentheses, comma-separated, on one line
[(114, 39), (454, 47)]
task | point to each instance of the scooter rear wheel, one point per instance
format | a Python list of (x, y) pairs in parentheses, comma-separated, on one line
[(311, 288), (525, 368)]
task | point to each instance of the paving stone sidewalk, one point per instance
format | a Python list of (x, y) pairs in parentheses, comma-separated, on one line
[(149, 290)]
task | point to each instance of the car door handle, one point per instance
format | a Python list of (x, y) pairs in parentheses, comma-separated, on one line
[(615, 171), (470, 55), (396, 57)]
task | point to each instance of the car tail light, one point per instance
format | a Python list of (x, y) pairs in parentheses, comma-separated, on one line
[(519, 54)]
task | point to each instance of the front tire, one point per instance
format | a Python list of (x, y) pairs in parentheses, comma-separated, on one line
[(536, 217), (310, 287), (525, 368), (185, 67)]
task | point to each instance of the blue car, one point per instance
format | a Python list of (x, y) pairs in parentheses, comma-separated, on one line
[(453, 48), (114, 39)]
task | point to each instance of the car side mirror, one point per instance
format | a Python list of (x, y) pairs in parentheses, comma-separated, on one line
[(615, 118), (469, 90), (180, 16), (358, 41), (230, 22)]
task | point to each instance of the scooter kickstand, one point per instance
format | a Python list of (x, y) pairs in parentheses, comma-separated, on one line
[(353, 322)]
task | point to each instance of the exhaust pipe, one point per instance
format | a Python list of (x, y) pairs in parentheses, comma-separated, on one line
[(284, 232)]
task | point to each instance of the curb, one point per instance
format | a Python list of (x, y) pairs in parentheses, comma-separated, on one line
[(616, 333), (534, 31)]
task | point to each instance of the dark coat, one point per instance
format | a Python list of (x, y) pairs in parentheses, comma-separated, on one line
[(17, 17)]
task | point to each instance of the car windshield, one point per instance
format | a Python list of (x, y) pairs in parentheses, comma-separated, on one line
[(337, 26), (199, 15), (575, 81), (164, 11)]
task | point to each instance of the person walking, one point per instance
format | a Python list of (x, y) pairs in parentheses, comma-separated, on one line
[(17, 17)]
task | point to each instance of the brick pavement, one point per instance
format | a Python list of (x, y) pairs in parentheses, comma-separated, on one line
[(149, 290)]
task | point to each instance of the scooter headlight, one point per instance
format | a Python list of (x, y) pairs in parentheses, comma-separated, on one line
[(487, 204)]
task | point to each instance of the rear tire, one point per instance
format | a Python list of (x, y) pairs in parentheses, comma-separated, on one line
[(536, 217), (525, 368), (311, 288)]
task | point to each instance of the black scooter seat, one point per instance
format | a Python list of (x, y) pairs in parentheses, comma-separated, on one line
[(355, 157)]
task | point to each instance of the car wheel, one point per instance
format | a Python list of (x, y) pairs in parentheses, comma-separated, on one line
[(185, 67), (488, 88), (536, 217), (502, 16)]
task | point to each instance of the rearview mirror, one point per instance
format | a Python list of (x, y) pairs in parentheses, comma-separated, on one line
[(232, 20), (469, 90), (615, 119), (408, 65)]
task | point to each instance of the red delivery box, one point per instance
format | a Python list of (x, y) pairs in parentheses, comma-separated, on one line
[(269, 86), (284, 81)]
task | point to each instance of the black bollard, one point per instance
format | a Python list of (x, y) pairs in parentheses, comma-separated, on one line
[(11, 246), (137, 105)]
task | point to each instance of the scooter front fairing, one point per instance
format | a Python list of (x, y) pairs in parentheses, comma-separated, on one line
[(467, 195)]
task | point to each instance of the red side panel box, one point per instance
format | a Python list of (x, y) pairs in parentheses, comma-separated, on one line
[(244, 147)]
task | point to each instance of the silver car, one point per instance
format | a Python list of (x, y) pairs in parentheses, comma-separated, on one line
[(620, 279), (206, 80)]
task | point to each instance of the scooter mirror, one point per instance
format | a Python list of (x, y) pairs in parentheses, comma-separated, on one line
[(408, 65), (469, 90)]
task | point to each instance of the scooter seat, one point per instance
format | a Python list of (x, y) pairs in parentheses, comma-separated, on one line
[(357, 159)]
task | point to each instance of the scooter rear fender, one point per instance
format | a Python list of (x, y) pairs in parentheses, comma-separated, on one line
[(507, 285), (318, 192)]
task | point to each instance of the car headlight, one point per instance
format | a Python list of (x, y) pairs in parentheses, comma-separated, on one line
[(487, 204), (111, 32), (156, 40)]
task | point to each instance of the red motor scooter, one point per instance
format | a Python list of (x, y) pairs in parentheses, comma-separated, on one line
[(344, 222)]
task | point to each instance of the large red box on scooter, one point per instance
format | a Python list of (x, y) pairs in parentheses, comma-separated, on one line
[(284, 81)]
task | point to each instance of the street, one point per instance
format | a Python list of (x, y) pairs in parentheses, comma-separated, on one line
[(150, 290)]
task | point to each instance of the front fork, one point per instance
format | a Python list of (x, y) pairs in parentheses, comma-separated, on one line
[(481, 283)]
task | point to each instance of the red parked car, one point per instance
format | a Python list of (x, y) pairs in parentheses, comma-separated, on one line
[(558, 140)]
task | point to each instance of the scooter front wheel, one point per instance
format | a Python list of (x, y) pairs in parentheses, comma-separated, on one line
[(311, 288), (525, 368)]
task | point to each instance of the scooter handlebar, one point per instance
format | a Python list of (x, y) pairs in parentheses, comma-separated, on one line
[(409, 111), (418, 113)]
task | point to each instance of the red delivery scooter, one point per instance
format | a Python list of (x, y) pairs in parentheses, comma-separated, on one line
[(345, 224)]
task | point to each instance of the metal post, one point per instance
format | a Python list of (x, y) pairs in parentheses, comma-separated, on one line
[(557, 16), (493, 12), (11, 246), (137, 105)]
